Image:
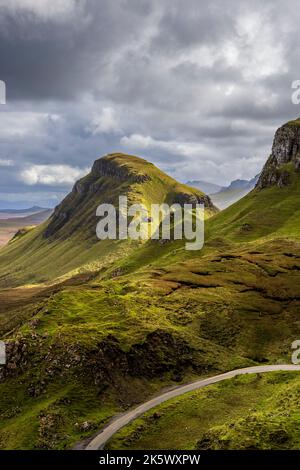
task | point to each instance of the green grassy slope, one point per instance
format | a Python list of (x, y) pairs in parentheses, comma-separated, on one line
[(120, 339), (248, 412), (273, 212)]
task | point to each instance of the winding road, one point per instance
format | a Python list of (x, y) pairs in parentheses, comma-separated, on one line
[(100, 439)]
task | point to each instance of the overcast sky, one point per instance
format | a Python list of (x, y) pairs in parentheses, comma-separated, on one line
[(197, 87)]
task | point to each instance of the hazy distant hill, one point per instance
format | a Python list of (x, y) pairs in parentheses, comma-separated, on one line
[(206, 187), (13, 213), (14, 221), (224, 196), (232, 193), (241, 184)]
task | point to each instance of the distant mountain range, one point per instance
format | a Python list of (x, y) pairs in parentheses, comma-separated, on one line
[(224, 196), (22, 211), (14, 221), (241, 184), (13, 213), (205, 186)]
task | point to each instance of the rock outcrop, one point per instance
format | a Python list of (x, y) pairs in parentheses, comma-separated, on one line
[(285, 150), (110, 167), (183, 198)]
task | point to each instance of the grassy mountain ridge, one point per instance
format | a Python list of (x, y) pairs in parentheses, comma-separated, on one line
[(67, 241)]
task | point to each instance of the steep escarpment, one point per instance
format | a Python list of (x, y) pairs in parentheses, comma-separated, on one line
[(272, 208), (123, 167), (110, 177), (285, 157)]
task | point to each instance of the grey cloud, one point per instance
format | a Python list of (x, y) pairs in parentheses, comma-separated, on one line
[(217, 74)]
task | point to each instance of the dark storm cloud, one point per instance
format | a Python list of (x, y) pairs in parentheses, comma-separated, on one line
[(197, 87), (44, 58), (196, 23)]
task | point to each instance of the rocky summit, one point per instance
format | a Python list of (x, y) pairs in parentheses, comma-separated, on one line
[(285, 157)]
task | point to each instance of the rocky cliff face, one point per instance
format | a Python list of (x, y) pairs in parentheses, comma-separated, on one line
[(109, 167), (183, 198), (285, 150), (96, 187)]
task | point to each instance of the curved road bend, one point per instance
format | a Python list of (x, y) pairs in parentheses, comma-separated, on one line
[(100, 440)]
